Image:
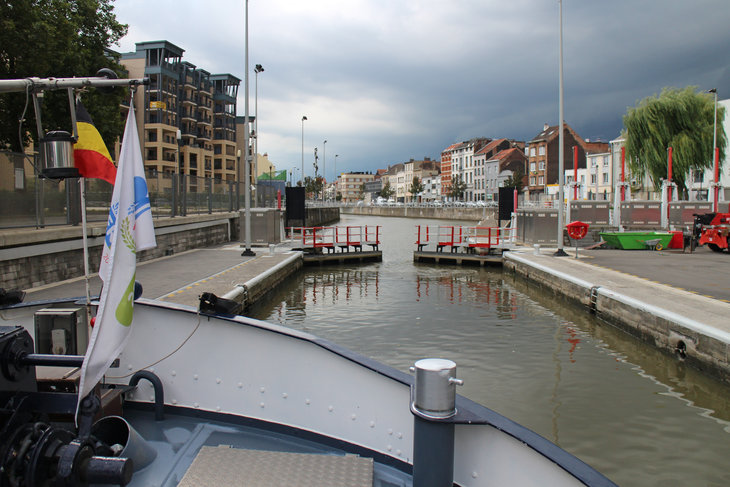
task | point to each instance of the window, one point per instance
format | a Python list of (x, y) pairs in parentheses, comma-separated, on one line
[(605, 161), (541, 180), (593, 179), (542, 165), (532, 167), (605, 178), (532, 180), (541, 150), (532, 152), (582, 179)]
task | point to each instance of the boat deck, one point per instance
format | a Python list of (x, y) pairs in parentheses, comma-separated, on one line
[(182, 442)]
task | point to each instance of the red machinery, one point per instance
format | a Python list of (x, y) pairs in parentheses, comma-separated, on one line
[(713, 229)]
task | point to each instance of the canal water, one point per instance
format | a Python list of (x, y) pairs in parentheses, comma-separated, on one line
[(635, 414)]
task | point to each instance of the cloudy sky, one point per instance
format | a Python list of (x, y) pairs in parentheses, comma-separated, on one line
[(384, 81)]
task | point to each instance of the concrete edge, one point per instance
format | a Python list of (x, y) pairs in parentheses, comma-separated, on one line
[(704, 347), (254, 289)]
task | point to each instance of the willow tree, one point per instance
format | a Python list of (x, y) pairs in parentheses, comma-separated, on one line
[(680, 119)]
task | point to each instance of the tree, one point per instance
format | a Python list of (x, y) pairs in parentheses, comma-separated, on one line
[(58, 38), (313, 186), (416, 187), (387, 190), (681, 119), (458, 187), (515, 180)]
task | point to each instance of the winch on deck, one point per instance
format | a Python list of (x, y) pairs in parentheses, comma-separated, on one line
[(39, 443)]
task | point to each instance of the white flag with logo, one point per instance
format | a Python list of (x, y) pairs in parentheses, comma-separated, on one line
[(129, 229)]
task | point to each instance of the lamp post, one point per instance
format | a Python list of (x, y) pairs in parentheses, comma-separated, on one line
[(715, 157), (258, 69), (302, 175), (561, 150), (335, 178), (324, 166), (247, 159)]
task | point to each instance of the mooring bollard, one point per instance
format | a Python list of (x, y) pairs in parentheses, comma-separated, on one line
[(537, 249), (433, 404)]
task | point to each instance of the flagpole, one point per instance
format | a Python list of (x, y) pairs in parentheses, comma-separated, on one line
[(82, 186)]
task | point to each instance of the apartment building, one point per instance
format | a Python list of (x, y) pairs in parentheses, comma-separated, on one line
[(432, 188), (460, 164), (543, 157), (446, 168), (501, 167), (350, 185), (186, 115), (478, 191), (599, 182), (417, 169)]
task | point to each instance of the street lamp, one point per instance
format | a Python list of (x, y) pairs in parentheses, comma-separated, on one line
[(247, 158), (303, 119), (335, 178), (715, 156), (258, 69), (324, 166), (561, 150)]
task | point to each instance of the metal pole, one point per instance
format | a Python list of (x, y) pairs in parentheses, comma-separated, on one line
[(247, 159), (258, 69), (324, 166), (82, 187), (561, 150), (40, 84), (256, 127), (302, 175), (716, 156)]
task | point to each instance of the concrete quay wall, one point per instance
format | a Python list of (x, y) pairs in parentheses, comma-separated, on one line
[(486, 215), (32, 258), (697, 342), (318, 216)]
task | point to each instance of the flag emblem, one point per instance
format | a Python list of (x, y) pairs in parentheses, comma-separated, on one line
[(91, 157)]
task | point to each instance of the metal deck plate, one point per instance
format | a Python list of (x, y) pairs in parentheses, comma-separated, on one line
[(222, 465)]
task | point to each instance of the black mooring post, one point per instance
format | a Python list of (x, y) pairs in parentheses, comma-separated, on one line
[(434, 406), (433, 453)]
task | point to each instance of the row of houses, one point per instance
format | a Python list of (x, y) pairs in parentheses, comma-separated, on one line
[(482, 165)]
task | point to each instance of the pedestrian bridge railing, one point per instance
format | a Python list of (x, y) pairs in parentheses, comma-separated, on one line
[(469, 239), (336, 237)]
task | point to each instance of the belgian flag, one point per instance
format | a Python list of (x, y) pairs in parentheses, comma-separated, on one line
[(91, 156)]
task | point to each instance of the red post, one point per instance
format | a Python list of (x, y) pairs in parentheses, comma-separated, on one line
[(669, 168), (623, 173), (575, 172), (514, 195), (717, 179), (669, 178)]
